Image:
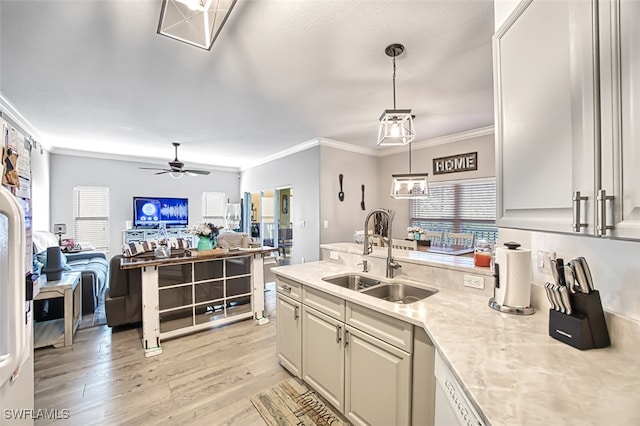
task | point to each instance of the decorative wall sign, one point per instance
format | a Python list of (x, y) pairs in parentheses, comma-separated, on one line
[(455, 163)]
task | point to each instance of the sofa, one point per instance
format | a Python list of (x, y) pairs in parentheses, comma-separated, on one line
[(123, 298), (92, 264)]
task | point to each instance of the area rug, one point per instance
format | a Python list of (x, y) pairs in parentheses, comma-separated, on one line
[(292, 403)]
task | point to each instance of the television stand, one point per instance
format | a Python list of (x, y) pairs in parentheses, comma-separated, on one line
[(142, 234)]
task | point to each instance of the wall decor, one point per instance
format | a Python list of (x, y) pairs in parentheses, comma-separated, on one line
[(285, 204), (455, 163)]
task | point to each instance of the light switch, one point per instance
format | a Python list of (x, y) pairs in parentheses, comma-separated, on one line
[(326, 224)]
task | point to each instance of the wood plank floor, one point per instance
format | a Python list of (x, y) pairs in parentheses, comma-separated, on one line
[(204, 378)]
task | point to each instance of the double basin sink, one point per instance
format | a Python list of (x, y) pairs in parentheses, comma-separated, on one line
[(395, 292)]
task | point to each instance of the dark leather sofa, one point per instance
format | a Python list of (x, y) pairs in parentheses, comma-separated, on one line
[(123, 299)]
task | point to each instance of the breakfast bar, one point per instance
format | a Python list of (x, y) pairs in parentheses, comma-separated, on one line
[(195, 290)]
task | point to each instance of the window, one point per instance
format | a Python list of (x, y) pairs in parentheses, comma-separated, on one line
[(91, 216), (460, 206), (214, 205)]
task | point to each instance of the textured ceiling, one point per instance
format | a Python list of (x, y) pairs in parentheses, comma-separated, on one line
[(93, 75)]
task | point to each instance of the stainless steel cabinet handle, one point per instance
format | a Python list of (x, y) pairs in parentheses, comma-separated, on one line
[(338, 333), (602, 227), (295, 313), (577, 224), (346, 338)]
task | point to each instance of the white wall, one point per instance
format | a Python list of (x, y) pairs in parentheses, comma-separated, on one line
[(40, 190), (347, 216), (301, 172), (422, 161), (125, 180)]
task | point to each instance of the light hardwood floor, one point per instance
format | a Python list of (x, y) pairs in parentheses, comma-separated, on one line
[(203, 379)]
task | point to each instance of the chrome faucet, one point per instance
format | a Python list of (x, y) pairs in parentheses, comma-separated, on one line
[(391, 264)]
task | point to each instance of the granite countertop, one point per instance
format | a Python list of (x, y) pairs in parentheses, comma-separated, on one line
[(510, 368), (194, 256)]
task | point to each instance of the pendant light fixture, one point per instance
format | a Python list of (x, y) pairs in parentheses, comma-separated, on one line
[(396, 125), (410, 185), (196, 22)]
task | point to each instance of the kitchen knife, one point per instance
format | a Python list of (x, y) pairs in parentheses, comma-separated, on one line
[(587, 272), (546, 288), (570, 277), (564, 294), (560, 268), (554, 270), (580, 276), (556, 305), (556, 293)]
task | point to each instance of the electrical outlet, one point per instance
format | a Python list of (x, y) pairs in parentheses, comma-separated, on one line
[(326, 224), (334, 255), (474, 281), (544, 261)]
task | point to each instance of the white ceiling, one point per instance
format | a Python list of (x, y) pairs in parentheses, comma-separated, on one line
[(93, 75)]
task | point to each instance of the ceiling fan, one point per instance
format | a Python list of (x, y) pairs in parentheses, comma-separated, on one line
[(177, 169)]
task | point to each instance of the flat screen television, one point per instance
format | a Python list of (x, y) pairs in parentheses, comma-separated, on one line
[(150, 211)]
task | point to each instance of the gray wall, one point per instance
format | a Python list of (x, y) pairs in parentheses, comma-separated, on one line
[(345, 217), (421, 160), (125, 180), (300, 171)]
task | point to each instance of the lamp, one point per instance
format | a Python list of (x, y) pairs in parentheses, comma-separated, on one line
[(176, 175), (59, 229), (410, 185), (396, 125), (196, 22)]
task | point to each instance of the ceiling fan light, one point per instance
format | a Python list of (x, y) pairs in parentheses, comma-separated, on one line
[(176, 175), (411, 185), (195, 22), (396, 127)]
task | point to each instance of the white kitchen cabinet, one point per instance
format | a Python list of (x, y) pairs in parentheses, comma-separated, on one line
[(289, 334), (620, 112), (545, 92), (323, 355), (377, 381), (568, 118)]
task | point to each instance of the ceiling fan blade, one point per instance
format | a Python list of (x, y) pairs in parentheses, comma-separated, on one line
[(153, 168), (162, 172), (197, 172)]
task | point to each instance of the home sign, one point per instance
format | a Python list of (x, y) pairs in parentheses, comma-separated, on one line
[(455, 163)]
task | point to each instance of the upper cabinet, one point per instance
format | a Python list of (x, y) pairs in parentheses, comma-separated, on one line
[(565, 134)]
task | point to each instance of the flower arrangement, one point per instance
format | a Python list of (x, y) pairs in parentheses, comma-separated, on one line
[(204, 230)]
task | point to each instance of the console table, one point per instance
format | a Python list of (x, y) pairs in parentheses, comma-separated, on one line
[(59, 332), (183, 294)]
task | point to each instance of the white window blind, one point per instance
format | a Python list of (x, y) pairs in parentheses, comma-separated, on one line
[(91, 216), (460, 206), (214, 205)]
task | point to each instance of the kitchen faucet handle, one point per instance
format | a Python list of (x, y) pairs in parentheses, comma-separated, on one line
[(365, 266)]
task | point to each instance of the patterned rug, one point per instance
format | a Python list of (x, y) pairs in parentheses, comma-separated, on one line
[(99, 317), (292, 403)]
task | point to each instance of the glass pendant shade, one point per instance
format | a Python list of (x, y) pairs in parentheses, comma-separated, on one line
[(176, 175), (196, 22), (411, 185), (396, 127)]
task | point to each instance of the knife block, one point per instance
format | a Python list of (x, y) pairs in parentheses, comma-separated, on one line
[(586, 327)]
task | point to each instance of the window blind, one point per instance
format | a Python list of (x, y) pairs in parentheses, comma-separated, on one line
[(91, 216), (214, 205), (460, 206)]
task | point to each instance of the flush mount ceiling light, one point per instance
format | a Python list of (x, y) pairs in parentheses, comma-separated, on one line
[(396, 125), (410, 185), (196, 22)]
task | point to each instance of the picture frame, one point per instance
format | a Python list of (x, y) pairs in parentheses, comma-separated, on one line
[(284, 207)]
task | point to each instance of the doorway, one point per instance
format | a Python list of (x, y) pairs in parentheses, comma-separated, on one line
[(269, 219)]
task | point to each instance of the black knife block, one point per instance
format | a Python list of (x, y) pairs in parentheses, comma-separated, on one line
[(586, 327)]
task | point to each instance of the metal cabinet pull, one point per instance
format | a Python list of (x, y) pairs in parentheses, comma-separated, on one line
[(602, 227), (338, 334), (577, 224), (346, 338), (285, 288), (295, 313)]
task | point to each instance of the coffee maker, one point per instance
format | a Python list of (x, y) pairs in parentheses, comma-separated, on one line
[(512, 273)]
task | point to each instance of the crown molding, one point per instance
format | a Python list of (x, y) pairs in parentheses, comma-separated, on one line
[(348, 147), (427, 143), (136, 159), (10, 112)]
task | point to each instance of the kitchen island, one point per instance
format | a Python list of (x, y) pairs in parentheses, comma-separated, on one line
[(509, 367), (198, 290)]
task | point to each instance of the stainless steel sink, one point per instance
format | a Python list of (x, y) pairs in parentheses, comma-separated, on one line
[(399, 293), (353, 281)]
